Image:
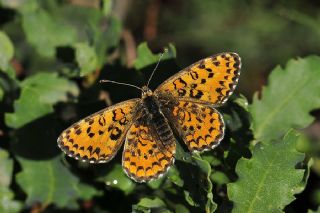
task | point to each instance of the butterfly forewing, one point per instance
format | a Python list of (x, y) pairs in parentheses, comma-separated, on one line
[(98, 137), (210, 80)]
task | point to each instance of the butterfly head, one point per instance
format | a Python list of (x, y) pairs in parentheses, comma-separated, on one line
[(146, 92)]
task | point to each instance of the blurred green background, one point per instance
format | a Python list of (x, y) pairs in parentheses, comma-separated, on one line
[(52, 54)]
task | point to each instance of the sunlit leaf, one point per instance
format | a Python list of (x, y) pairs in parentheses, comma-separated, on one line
[(6, 51), (39, 93), (107, 6), (316, 211), (86, 58), (7, 204), (46, 33), (50, 182), (146, 57), (268, 181), (291, 94), (174, 176), (219, 178), (6, 168)]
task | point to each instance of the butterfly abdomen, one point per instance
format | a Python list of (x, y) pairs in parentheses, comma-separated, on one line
[(159, 121)]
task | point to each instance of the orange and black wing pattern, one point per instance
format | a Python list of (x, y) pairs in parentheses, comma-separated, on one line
[(211, 80), (144, 156), (98, 137), (200, 126)]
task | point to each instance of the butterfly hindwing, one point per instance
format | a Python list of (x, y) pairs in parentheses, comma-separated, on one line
[(98, 137), (200, 126), (144, 156), (210, 80)]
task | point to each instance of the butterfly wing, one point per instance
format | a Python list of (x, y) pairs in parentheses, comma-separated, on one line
[(144, 156), (200, 126), (98, 137), (211, 80), (188, 98)]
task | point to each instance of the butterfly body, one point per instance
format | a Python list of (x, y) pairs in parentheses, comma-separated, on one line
[(182, 106), (154, 115)]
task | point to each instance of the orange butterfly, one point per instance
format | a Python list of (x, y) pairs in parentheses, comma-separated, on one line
[(183, 105)]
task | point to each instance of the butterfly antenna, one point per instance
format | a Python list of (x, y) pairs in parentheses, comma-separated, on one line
[(161, 55), (115, 82)]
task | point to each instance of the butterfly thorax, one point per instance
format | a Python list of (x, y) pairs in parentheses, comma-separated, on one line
[(152, 110)]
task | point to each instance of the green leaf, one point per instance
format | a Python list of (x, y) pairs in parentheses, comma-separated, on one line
[(181, 208), (286, 102), (195, 179), (39, 93), (86, 58), (116, 178), (6, 168), (6, 51), (1, 93), (7, 204), (50, 182), (268, 181), (151, 203), (146, 57), (173, 176), (206, 169), (147, 204), (45, 32), (86, 192), (107, 7), (316, 211), (220, 178)]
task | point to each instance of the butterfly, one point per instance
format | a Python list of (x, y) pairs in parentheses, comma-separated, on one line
[(183, 106)]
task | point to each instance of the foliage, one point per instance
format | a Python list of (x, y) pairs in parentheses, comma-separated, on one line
[(38, 95), (292, 93), (58, 186), (258, 188), (6, 53), (53, 54), (7, 203)]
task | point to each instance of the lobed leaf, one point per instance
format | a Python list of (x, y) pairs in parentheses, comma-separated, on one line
[(205, 167), (286, 102), (268, 181), (195, 179), (50, 182), (39, 93)]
